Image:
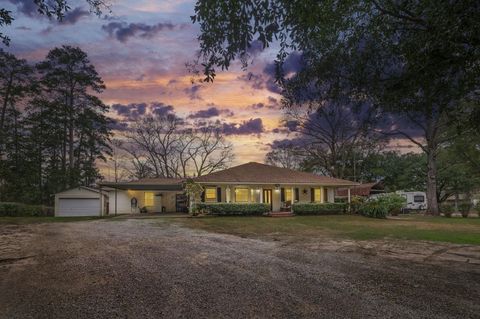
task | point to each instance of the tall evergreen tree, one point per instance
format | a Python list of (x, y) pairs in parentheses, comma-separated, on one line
[(68, 78)]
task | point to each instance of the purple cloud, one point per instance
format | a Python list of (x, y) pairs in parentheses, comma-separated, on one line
[(210, 112), (72, 17), (252, 126), (256, 81), (193, 92), (131, 111), (123, 31), (161, 109), (27, 7)]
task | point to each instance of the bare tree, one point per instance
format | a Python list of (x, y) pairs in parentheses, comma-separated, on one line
[(166, 146), (210, 151), (333, 136), (285, 154)]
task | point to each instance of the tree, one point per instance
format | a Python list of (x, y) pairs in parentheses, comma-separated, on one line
[(165, 146), (68, 77), (285, 154), (414, 58), (334, 136), (15, 82), (52, 9)]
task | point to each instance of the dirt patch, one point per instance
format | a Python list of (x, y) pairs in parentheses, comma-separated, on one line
[(143, 268)]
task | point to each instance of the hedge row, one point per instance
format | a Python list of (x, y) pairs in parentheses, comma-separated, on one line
[(319, 208), (23, 210), (226, 209)]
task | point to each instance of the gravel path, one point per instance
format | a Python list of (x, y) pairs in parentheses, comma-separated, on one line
[(142, 268)]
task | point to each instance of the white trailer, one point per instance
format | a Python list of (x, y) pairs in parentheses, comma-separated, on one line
[(415, 200)]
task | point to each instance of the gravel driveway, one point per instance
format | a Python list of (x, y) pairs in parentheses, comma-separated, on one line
[(153, 268)]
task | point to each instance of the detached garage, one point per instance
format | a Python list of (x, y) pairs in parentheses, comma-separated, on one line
[(81, 201)]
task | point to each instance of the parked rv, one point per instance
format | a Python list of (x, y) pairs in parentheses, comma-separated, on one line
[(415, 200)]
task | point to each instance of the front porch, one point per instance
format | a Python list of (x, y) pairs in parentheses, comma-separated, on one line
[(280, 197)]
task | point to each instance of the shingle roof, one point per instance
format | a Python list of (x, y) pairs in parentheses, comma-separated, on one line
[(160, 183), (253, 173)]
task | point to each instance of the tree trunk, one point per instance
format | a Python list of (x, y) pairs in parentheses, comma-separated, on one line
[(432, 200)]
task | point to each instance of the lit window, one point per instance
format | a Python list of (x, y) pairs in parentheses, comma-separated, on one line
[(149, 199), (317, 195), (241, 194), (288, 194), (210, 194)]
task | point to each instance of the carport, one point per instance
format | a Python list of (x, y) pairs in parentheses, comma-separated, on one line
[(156, 195)]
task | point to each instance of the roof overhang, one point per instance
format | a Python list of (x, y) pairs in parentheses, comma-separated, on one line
[(280, 183), (134, 186)]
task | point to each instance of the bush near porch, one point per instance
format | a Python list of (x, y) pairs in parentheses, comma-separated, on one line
[(229, 209), (319, 208), (10, 209)]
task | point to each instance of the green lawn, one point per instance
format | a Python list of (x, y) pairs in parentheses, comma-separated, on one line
[(453, 230), (39, 220)]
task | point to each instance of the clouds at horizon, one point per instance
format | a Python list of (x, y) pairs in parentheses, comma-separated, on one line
[(140, 50)]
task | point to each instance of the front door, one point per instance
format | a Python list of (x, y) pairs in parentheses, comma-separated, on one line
[(267, 197)]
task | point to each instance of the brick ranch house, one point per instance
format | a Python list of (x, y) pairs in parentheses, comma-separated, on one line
[(247, 183)]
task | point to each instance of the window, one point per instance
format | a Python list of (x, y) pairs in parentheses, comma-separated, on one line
[(317, 195), (148, 199), (210, 194), (288, 195), (241, 194), (418, 199)]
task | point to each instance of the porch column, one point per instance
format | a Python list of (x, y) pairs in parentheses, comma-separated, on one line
[(100, 200), (349, 197), (261, 195), (228, 194)]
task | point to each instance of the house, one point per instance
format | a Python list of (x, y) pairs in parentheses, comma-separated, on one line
[(261, 183), (247, 183), (364, 190), (81, 201)]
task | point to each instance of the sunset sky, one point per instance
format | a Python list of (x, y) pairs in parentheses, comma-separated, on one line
[(140, 50)]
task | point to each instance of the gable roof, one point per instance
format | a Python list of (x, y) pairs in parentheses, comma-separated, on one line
[(256, 173)]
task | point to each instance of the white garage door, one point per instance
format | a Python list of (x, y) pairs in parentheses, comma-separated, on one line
[(78, 207)]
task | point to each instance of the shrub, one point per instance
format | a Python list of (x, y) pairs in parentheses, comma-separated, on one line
[(374, 208), (24, 210), (464, 208), (228, 209), (319, 208), (355, 203), (393, 202), (380, 206), (446, 209)]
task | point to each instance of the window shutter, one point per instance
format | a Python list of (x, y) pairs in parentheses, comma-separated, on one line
[(312, 194), (325, 195), (297, 194), (203, 197), (282, 194), (219, 194)]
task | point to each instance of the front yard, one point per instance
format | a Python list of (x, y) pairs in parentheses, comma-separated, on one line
[(408, 227), (239, 267)]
